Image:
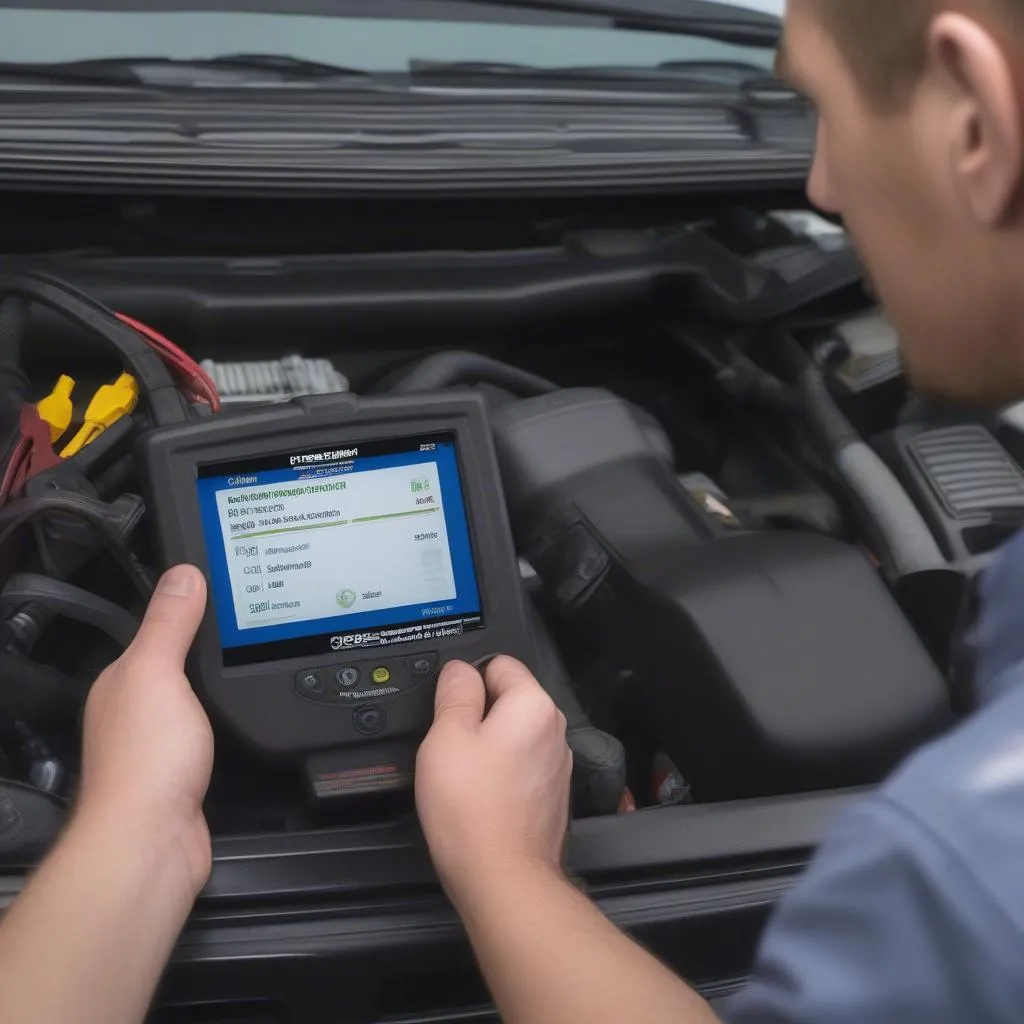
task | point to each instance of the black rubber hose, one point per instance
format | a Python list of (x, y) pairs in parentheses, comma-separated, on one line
[(14, 386), (65, 599), (599, 759), (831, 427), (452, 369), (890, 516), (108, 529), (553, 675)]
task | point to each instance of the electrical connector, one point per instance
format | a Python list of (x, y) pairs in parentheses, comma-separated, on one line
[(56, 409), (110, 403)]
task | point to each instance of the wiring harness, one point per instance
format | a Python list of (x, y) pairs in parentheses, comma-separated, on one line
[(158, 372), (65, 502)]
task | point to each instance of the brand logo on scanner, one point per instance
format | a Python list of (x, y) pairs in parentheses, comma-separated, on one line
[(340, 643), (335, 456)]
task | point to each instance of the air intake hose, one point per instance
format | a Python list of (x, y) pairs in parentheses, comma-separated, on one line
[(890, 518), (454, 369)]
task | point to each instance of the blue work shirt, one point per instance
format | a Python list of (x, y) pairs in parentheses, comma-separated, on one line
[(913, 910)]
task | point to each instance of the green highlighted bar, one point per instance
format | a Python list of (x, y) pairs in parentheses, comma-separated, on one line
[(394, 515), (328, 526)]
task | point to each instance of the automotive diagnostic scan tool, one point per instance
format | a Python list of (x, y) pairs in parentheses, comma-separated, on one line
[(352, 547)]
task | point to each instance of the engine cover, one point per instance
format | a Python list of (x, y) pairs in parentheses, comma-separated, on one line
[(761, 663)]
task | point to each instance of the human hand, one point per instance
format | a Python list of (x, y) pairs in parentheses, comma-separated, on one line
[(492, 790), (148, 745)]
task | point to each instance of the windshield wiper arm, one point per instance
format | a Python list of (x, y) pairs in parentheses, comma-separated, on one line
[(227, 69), (710, 19)]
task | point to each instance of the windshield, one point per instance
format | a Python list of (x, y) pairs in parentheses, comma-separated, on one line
[(776, 7), (355, 35)]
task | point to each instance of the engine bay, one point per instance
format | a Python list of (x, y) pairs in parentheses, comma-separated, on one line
[(744, 547)]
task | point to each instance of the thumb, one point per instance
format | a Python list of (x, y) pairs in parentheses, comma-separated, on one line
[(505, 674), (460, 695), (173, 616)]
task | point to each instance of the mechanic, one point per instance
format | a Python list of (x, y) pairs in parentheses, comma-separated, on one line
[(913, 910)]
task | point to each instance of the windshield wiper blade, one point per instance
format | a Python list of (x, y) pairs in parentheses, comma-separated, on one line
[(294, 67), (224, 70), (710, 19), (732, 74)]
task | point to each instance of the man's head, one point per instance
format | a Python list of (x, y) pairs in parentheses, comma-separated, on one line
[(921, 150)]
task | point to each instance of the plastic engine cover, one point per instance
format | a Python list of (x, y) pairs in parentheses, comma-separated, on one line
[(761, 663)]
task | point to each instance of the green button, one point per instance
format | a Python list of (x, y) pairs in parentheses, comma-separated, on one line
[(381, 675)]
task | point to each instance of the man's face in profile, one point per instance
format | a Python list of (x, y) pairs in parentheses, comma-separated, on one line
[(900, 176)]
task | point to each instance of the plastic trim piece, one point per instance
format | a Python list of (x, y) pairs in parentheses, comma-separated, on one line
[(666, 839), (274, 870), (508, 140)]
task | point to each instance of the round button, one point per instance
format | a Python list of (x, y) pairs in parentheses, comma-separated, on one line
[(421, 666), (311, 683), (381, 675), (348, 677), (369, 720)]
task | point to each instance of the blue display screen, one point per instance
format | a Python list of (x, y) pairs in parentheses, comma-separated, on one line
[(323, 549)]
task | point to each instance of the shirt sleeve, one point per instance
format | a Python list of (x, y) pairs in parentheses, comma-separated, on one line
[(887, 927)]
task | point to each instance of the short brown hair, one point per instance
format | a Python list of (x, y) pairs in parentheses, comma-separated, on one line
[(884, 41)]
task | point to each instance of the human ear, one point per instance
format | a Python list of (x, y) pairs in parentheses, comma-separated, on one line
[(981, 121)]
